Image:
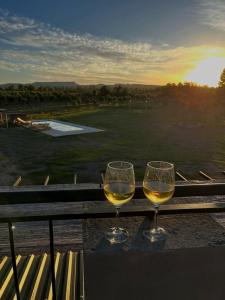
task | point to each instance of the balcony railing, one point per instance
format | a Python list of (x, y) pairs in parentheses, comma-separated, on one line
[(92, 192)]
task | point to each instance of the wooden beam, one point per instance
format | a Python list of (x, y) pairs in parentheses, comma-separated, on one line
[(46, 180), (109, 212), (18, 181), (102, 177), (4, 260), (89, 192), (205, 175), (181, 176), (39, 276), (8, 278), (25, 274)]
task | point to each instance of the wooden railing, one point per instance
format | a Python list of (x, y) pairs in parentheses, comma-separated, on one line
[(94, 192)]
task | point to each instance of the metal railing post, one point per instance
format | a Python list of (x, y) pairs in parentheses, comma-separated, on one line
[(52, 259), (15, 274)]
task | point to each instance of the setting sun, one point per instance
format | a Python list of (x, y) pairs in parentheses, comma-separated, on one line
[(207, 72)]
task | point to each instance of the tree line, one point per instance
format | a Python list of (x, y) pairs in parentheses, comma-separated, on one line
[(181, 94)]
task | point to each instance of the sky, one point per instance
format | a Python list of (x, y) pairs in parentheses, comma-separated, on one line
[(112, 41)]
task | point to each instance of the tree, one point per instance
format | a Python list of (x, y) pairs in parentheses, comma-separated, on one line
[(222, 79), (120, 91), (103, 91)]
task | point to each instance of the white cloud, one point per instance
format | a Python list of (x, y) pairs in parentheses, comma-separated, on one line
[(10, 23), (212, 13), (37, 50)]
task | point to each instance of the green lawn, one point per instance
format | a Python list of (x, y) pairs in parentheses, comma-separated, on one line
[(136, 135)]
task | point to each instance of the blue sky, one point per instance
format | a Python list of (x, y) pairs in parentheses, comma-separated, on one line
[(125, 19), (97, 41)]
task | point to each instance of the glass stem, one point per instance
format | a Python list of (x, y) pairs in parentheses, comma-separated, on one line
[(117, 216), (117, 212), (156, 217)]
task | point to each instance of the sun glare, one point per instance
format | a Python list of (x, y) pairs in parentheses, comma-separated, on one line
[(207, 72)]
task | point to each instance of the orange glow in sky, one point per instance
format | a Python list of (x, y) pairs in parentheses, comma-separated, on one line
[(207, 71)]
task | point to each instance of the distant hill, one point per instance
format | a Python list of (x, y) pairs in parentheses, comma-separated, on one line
[(56, 84), (72, 84), (140, 86), (6, 85), (126, 85)]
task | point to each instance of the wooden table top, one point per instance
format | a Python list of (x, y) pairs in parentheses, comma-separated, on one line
[(182, 274)]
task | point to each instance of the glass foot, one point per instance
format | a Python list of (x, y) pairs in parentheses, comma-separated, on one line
[(155, 235), (116, 235)]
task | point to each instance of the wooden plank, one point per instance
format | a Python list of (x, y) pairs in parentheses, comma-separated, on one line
[(39, 285), (8, 278), (76, 277), (56, 271), (75, 178), (89, 192), (25, 274), (4, 260), (82, 285), (39, 276), (18, 181), (69, 275), (46, 181), (205, 175), (109, 212), (49, 193), (181, 176)]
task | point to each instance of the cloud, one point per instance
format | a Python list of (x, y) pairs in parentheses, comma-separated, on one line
[(212, 13), (10, 23), (39, 51)]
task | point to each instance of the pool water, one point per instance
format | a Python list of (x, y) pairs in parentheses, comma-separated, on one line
[(61, 128)]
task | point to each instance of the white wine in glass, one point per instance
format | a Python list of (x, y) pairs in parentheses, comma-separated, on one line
[(158, 192), (119, 193), (119, 188), (158, 187)]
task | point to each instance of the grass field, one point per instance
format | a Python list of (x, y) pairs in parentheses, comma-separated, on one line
[(136, 135)]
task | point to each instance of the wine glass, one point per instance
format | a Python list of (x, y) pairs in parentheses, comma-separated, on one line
[(119, 188), (158, 187)]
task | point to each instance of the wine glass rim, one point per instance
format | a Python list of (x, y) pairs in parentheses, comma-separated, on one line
[(168, 167), (129, 165)]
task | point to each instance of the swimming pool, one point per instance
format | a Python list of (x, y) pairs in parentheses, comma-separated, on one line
[(60, 128)]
